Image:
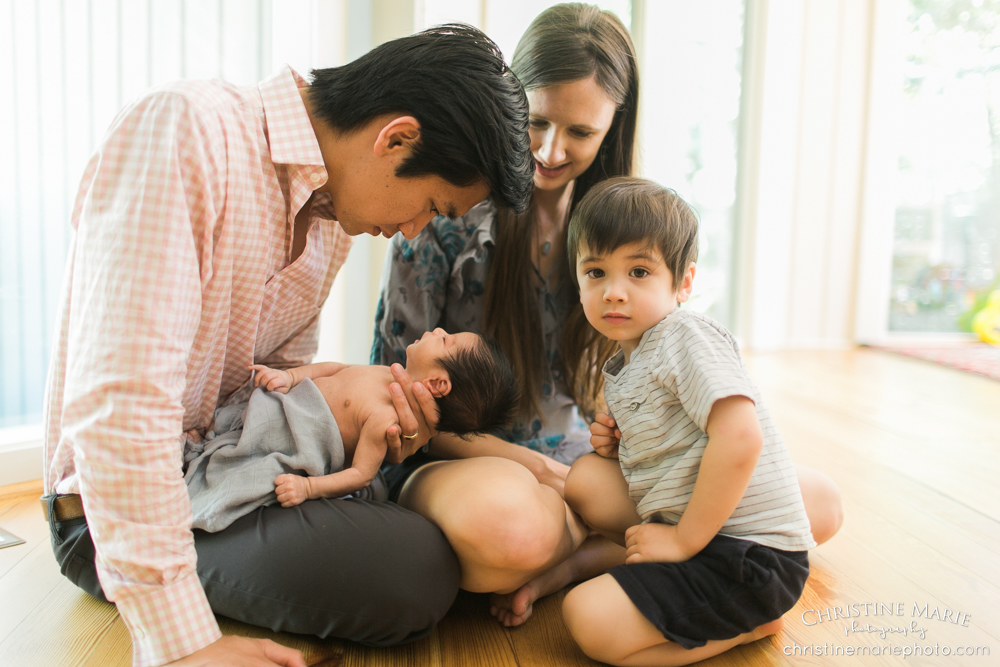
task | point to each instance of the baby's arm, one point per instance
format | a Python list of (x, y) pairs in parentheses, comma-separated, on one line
[(368, 455), (734, 444), (275, 379)]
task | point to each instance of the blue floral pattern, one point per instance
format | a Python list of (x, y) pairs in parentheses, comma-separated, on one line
[(438, 279)]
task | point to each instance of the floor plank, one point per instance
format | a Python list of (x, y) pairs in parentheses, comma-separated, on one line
[(470, 636), (545, 640)]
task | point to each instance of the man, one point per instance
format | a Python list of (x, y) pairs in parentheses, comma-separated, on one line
[(210, 225)]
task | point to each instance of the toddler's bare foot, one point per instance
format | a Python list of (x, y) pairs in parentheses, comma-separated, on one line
[(513, 609), (766, 630)]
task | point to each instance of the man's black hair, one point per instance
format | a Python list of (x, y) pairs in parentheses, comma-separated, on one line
[(484, 392), (472, 110)]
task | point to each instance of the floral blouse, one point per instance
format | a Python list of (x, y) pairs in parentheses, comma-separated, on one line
[(438, 280)]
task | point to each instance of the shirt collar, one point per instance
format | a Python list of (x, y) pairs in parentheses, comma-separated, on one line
[(291, 137), (613, 367), (292, 142)]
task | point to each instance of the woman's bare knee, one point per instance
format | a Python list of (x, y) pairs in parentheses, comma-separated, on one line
[(501, 522)]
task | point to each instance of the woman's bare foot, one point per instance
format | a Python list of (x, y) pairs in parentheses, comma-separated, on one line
[(766, 630), (513, 609), (594, 557)]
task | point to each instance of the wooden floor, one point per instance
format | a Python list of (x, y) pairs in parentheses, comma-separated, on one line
[(914, 447)]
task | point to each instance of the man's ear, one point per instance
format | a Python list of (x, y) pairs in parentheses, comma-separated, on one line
[(439, 385), (685, 284), (401, 132)]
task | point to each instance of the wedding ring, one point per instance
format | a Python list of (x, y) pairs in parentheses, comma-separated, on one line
[(411, 437)]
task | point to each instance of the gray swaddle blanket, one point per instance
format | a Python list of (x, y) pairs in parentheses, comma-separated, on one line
[(232, 472)]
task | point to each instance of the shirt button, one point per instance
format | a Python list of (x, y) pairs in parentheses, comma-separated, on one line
[(315, 178), (634, 406)]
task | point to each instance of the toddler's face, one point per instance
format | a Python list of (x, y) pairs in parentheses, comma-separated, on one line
[(628, 291), (423, 356)]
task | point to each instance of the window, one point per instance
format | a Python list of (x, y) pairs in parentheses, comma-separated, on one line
[(946, 243), (65, 71), (691, 80)]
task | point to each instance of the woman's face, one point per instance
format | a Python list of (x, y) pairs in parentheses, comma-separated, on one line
[(568, 122)]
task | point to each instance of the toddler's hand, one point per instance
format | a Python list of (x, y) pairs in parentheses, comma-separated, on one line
[(605, 436), (292, 490), (272, 379), (654, 543)]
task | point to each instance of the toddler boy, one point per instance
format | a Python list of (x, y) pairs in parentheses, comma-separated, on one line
[(709, 509)]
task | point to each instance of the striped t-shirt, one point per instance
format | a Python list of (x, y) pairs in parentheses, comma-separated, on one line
[(661, 401)]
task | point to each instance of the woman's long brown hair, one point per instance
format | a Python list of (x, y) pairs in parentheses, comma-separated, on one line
[(565, 43)]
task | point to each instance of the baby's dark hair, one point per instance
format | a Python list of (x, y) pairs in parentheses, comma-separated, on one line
[(484, 392), (625, 210)]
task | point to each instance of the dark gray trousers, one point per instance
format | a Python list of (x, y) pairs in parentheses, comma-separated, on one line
[(370, 572)]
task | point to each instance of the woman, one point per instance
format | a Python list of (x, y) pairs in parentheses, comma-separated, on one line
[(499, 500)]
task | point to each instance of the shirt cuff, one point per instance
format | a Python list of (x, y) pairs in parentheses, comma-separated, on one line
[(168, 622)]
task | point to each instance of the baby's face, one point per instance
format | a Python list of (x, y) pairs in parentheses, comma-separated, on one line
[(423, 356)]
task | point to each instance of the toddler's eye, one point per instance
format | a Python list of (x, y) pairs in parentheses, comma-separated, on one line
[(639, 273), (595, 273)]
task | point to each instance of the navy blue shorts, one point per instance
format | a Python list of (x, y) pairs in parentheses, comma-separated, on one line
[(731, 587)]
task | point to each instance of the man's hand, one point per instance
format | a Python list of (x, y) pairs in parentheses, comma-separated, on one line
[(242, 652), (605, 436), (292, 490), (272, 379), (417, 413), (654, 543)]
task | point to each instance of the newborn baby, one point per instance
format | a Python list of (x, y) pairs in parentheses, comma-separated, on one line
[(318, 431)]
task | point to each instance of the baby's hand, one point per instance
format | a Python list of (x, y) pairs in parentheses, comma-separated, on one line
[(654, 543), (272, 379), (292, 490), (605, 436)]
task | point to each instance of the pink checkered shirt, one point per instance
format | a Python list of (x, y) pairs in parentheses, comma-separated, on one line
[(179, 277)]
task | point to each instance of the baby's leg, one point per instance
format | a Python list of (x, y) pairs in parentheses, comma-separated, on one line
[(609, 628), (598, 492)]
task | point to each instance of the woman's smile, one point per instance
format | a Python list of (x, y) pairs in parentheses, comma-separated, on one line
[(551, 172)]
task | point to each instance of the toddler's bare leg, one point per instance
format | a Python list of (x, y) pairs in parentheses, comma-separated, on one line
[(821, 497), (598, 492), (608, 627)]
